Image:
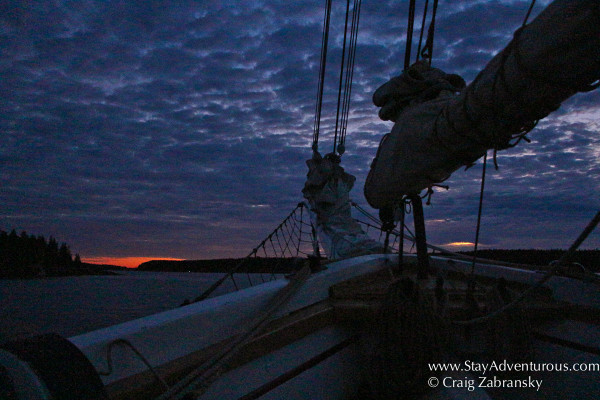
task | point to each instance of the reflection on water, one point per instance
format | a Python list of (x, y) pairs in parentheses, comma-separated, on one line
[(73, 305)]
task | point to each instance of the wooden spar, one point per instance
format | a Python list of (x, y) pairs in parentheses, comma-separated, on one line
[(548, 61)]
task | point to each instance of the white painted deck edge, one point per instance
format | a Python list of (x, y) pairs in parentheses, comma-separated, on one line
[(167, 336)]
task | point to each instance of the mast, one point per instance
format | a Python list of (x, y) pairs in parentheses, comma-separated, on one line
[(554, 57)]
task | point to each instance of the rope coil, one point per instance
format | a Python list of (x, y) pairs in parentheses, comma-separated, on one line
[(407, 340)]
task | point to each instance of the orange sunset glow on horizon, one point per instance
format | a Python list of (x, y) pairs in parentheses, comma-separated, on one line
[(128, 262), (460, 244)]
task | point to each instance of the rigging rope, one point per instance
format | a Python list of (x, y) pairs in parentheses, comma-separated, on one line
[(522, 136), (528, 12), (199, 379), (349, 75), (564, 260), (401, 244), (337, 116), (127, 343), (409, 33), (427, 51), (293, 236), (471, 279), (322, 65), (422, 29), (441, 250), (346, 77)]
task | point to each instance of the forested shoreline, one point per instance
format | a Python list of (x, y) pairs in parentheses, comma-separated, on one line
[(30, 256)]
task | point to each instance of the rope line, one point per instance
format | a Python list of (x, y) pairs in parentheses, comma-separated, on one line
[(422, 30), (127, 343), (564, 260), (346, 77), (322, 67), (427, 51), (528, 12), (478, 228), (199, 379), (292, 241), (339, 101), (409, 33), (349, 75), (441, 250)]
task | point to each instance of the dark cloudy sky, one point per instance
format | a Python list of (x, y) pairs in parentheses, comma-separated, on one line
[(143, 128)]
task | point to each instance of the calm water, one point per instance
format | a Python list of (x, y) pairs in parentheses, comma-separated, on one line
[(73, 305)]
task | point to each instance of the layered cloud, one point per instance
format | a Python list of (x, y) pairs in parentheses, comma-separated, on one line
[(142, 128)]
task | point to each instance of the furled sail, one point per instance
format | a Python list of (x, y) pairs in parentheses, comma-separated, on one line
[(437, 131), (327, 190)]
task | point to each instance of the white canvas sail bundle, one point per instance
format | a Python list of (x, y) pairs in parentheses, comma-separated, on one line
[(327, 190), (437, 131)]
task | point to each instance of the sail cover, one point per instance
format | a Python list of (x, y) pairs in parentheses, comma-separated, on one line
[(437, 131), (327, 190)]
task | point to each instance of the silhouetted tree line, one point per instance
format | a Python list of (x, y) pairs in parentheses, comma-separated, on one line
[(27, 256)]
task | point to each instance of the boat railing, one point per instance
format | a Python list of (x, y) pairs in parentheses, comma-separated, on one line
[(294, 242)]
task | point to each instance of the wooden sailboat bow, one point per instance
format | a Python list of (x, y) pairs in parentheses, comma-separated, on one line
[(309, 331)]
